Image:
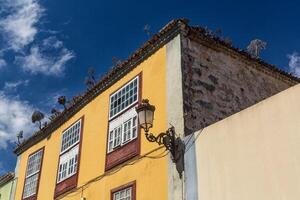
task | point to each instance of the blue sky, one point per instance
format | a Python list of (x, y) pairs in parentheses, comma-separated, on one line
[(46, 46)]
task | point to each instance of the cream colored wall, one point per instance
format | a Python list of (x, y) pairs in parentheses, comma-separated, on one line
[(150, 174), (5, 191), (254, 154)]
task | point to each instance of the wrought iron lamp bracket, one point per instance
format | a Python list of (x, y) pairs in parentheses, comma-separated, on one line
[(173, 144)]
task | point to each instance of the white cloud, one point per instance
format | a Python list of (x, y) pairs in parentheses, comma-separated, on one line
[(19, 27), (294, 63), (39, 61), (52, 42), (15, 115), (2, 63), (12, 86), (59, 65)]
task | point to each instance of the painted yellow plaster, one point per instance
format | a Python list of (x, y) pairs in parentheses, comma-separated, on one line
[(150, 174)]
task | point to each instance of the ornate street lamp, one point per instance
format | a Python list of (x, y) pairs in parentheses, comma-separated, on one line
[(172, 143), (146, 115)]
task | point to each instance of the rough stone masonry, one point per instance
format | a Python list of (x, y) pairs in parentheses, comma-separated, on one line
[(218, 82)]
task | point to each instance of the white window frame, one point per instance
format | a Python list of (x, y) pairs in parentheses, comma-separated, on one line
[(69, 156), (71, 128), (119, 124), (126, 192), (117, 93), (68, 161), (34, 165)]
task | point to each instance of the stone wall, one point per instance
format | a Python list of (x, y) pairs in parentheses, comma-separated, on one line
[(218, 83)]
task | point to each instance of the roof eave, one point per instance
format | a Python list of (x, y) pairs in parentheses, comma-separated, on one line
[(167, 33), (152, 45)]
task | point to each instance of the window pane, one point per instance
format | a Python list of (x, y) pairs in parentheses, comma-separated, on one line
[(119, 135), (75, 164), (30, 185), (110, 141), (122, 129), (68, 164), (71, 136), (123, 98), (34, 163), (124, 194), (127, 131), (134, 127)]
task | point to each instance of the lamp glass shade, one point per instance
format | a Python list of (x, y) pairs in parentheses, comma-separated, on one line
[(146, 119), (145, 113)]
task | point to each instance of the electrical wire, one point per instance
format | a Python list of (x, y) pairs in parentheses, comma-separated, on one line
[(189, 140), (159, 155), (193, 142), (75, 191)]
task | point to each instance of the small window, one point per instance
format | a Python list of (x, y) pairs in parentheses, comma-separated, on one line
[(32, 174), (124, 97), (125, 194), (68, 164), (71, 137), (68, 160), (122, 130)]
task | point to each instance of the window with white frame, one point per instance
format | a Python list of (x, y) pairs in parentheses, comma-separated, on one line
[(124, 97), (122, 129), (68, 161), (68, 164), (32, 174), (125, 194), (71, 136)]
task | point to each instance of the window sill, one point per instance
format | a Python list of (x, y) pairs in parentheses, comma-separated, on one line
[(122, 154), (33, 197), (66, 185), (121, 146)]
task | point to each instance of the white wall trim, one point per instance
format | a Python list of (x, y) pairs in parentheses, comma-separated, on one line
[(174, 110)]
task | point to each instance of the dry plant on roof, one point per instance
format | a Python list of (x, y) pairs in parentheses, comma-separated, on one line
[(54, 113), (255, 47), (37, 116), (146, 29), (19, 137), (62, 101), (90, 80)]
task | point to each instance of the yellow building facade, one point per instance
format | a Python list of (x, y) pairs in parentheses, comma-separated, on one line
[(94, 181)]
